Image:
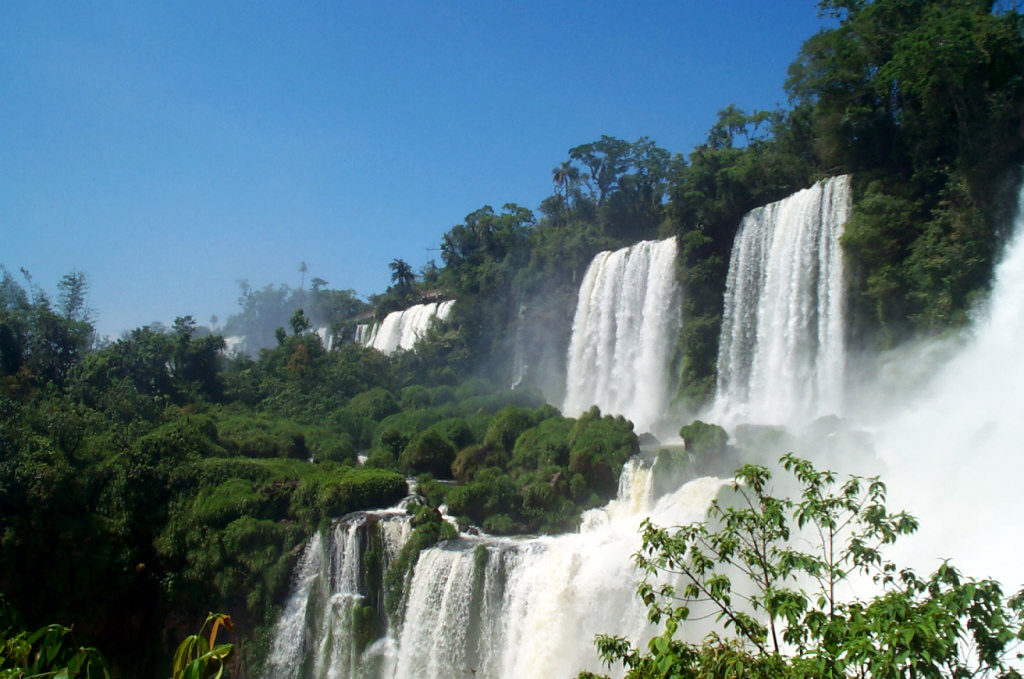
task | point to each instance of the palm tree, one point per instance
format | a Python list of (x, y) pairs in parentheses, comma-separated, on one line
[(402, 276), (565, 176)]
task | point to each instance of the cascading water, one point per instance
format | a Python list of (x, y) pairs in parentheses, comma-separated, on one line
[(627, 319), (330, 608), (326, 337), (483, 606), (782, 351), (402, 329)]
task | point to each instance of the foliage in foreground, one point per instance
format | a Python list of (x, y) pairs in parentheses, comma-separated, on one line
[(770, 571), (51, 651), (199, 657)]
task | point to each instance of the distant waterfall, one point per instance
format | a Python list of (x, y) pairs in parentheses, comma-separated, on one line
[(782, 351), (504, 608), (402, 329), (326, 337), (627, 318)]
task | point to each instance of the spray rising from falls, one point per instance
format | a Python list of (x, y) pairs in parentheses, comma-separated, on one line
[(482, 606), (627, 318), (782, 351), (402, 329), (953, 452)]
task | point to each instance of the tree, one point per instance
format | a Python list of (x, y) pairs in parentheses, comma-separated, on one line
[(606, 159), (784, 616), (402, 276), (299, 322), (565, 177), (923, 101), (72, 290)]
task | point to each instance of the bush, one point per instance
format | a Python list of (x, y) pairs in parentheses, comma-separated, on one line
[(545, 444), (360, 489), (429, 453), (374, 404), (506, 426), (456, 430), (704, 440)]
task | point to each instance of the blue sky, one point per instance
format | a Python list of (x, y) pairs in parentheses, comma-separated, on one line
[(170, 149)]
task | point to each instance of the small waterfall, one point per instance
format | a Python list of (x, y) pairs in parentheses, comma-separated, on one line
[(402, 329), (331, 613), (627, 319), (782, 351), (326, 337)]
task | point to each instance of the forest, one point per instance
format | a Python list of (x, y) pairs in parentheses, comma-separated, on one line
[(149, 480)]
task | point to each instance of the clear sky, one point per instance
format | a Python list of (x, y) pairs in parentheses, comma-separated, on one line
[(170, 149)]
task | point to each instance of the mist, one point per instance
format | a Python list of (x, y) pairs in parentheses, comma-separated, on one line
[(954, 450)]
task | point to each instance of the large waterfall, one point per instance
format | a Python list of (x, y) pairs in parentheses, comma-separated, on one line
[(626, 322), (483, 606), (402, 329), (782, 352)]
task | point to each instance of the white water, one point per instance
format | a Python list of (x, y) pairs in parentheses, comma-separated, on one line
[(402, 329), (626, 322), (326, 337), (528, 608), (955, 451), (782, 352), (314, 635)]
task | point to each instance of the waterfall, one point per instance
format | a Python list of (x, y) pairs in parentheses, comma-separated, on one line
[(482, 606), (330, 608), (402, 329), (626, 322), (326, 337), (782, 350), (504, 608)]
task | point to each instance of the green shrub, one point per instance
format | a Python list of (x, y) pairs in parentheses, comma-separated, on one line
[(430, 452), (469, 461), (704, 440), (545, 444), (221, 504), (263, 436), (381, 458), (360, 489), (506, 426), (500, 524), (374, 404), (456, 430), (414, 397)]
